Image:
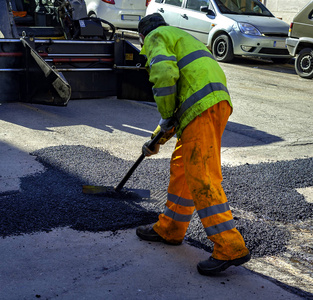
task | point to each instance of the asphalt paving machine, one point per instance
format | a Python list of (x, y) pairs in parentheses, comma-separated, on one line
[(51, 52)]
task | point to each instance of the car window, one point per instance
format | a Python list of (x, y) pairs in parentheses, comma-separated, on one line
[(242, 7), (173, 2), (196, 4)]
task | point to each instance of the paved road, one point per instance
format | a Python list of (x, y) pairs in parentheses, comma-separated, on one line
[(267, 161)]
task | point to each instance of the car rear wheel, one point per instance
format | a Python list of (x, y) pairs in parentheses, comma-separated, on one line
[(223, 49), (304, 63)]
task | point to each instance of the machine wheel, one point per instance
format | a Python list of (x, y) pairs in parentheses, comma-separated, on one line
[(223, 48), (92, 14), (304, 63)]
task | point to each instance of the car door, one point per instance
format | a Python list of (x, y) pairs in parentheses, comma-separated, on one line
[(194, 21), (170, 10), (303, 22)]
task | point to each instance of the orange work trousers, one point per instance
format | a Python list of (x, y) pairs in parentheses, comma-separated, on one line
[(195, 183)]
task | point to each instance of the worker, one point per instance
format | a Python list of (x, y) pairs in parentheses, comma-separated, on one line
[(190, 91)]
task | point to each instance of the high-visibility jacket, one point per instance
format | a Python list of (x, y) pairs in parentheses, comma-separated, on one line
[(186, 78)]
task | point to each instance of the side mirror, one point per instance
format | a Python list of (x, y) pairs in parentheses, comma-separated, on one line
[(208, 11)]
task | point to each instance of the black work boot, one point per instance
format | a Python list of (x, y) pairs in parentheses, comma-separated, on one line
[(147, 233), (213, 266)]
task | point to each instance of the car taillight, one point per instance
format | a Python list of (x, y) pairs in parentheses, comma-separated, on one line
[(290, 28), (109, 1), (148, 2)]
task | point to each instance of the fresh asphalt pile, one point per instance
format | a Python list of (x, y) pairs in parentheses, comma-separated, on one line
[(263, 197)]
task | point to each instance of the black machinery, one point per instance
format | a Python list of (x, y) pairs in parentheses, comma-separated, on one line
[(51, 52)]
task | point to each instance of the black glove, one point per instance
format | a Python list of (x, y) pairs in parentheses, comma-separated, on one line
[(148, 152)]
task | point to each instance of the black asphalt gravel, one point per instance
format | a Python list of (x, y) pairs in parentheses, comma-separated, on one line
[(263, 197)]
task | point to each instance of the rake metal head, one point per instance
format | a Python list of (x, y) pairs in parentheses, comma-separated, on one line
[(110, 191)]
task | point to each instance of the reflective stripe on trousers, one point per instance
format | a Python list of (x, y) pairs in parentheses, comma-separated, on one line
[(195, 182)]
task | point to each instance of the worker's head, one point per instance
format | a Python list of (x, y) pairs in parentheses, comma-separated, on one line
[(149, 23)]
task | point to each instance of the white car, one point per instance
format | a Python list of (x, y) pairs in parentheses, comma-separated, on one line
[(123, 14), (228, 27)]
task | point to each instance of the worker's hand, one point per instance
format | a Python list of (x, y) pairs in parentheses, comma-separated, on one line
[(167, 124), (148, 152)]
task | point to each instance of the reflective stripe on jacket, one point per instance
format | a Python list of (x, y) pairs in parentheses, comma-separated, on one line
[(186, 78)]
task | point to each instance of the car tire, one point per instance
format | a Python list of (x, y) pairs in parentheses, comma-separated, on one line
[(223, 49), (304, 63)]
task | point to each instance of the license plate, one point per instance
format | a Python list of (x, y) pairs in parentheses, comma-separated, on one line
[(279, 44), (130, 18)]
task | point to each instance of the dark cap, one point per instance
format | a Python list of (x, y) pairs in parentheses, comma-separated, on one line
[(150, 22)]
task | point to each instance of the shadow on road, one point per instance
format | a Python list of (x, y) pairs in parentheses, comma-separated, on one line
[(265, 64), (239, 135), (109, 114)]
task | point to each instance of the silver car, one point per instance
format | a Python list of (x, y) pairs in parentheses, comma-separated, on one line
[(228, 27)]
